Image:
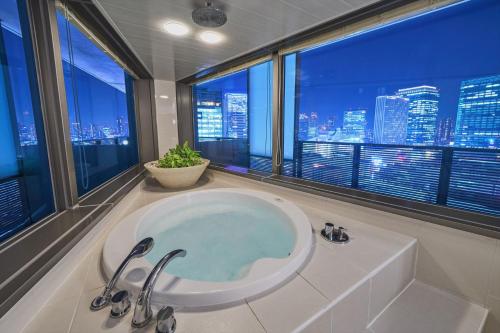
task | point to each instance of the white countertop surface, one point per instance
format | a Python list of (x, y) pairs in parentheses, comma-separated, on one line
[(299, 305)]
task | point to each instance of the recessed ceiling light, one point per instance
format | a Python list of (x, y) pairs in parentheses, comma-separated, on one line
[(164, 96), (211, 37), (176, 28)]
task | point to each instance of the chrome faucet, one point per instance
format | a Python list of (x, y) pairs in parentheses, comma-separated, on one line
[(335, 235), (139, 250), (143, 312)]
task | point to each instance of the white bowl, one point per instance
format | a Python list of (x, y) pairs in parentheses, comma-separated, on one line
[(177, 177)]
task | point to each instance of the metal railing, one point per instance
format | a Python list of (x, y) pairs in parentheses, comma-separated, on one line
[(464, 178), (433, 174), (117, 140)]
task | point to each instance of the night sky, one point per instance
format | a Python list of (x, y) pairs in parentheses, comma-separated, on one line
[(439, 49)]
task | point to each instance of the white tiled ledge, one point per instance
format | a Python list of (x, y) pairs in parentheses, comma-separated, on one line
[(422, 308), (350, 310), (344, 286)]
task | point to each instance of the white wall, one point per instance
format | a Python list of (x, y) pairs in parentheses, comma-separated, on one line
[(463, 263), (166, 115)]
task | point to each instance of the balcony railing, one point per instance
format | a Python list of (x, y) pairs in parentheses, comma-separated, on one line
[(118, 140), (464, 178), (13, 206)]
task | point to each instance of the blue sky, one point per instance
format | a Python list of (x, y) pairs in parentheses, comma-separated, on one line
[(87, 56)]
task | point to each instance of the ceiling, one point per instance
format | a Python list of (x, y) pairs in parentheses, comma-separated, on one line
[(251, 24)]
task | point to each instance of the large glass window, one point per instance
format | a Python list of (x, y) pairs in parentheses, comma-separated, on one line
[(233, 118), (99, 95), (25, 182), (410, 109)]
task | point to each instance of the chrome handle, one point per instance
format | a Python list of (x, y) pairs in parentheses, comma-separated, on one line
[(165, 320), (342, 236), (333, 235), (120, 304), (329, 229)]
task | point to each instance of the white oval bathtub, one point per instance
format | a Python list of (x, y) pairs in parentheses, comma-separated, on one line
[(240, 243)]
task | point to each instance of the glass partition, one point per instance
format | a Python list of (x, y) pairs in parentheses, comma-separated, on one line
[(233, 119), (25, 181), (410, 109), (99, 94)]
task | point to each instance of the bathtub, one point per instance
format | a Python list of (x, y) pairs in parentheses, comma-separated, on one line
[(240, 243)]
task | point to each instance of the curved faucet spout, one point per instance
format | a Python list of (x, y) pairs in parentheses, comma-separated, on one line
[(139, 250), (143, 312)]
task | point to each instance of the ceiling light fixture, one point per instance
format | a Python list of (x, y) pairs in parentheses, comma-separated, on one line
[(176, 28), (211, 37), (164, 96)]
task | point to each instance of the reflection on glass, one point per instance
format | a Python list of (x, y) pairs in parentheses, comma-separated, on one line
[(233, 119), (396, 104), (25, 186), (100, 106)]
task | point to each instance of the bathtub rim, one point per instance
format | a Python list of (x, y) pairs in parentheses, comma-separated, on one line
[(265, 274)]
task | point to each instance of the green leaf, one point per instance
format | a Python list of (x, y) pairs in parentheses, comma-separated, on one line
[(180, 157)]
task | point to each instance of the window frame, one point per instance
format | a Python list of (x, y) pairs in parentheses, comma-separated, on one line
[(131, 95), (34, 250), (366, 19), (236, 69)]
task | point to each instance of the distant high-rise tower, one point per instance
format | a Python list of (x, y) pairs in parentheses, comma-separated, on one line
[(423, 104), (119, 126), (312, 130), (209, 114), (391, 120), (236, 115), (354, 125), (330, 124), (303, 127), (444, 131), (478, 115)]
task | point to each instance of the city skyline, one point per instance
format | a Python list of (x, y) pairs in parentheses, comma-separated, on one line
[(409, 117)]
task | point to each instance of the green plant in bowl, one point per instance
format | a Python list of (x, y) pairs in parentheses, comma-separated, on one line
[(180, 157)]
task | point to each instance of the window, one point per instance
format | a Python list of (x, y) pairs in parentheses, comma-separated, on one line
[(25, 182), (99, 95), (410, 109), (233, 118)]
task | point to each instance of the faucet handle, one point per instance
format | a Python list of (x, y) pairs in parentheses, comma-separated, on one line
[(342, 236), (120, 304), (165, 320), (334, 235), (329, 230)]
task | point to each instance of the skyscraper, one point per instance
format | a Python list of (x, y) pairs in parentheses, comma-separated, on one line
[(209, 114), (303, 127), (478, 115), (422, 113), (119, 126), (330, 124), (312, 130), (354, 125), (444, 131), (391, 120), (235, 115)]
